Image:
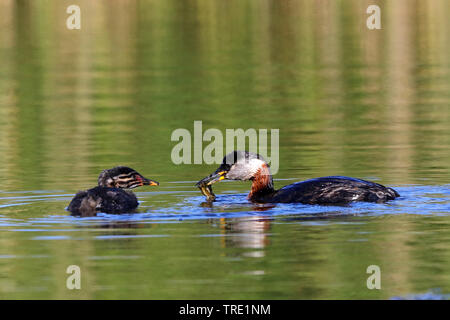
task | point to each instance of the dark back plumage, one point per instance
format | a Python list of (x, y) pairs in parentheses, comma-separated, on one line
[(333, 190), (100, 199)]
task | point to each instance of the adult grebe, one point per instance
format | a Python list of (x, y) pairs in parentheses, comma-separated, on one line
[(243, 165), (109, 196)]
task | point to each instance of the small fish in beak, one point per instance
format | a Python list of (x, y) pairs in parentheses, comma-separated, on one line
[(205, 185), (207, 191)]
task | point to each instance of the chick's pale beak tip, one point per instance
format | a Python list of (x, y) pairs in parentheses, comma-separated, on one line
[(148, 182)]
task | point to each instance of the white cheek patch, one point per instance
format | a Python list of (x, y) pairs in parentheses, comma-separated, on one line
[(245, 169), (254, 165)]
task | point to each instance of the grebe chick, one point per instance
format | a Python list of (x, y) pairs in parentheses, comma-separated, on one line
[(109, 196), (243, 165)]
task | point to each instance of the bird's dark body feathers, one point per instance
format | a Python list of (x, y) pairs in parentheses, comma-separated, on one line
[(102, 199), (329, 190)]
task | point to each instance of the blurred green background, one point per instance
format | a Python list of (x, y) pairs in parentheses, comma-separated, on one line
[(347, 101)]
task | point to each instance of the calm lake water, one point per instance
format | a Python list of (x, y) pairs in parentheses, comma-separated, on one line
[(372, 104)]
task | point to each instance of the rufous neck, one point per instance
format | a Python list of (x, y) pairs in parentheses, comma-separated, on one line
[(262, 182)]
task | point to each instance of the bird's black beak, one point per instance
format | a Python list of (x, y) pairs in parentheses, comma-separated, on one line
[(149, 182), (218, 175)]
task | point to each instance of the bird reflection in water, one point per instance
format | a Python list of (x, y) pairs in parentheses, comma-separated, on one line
[(248, 232)]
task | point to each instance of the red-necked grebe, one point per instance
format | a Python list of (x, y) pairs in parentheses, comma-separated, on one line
[(243, 165), (109, 196)]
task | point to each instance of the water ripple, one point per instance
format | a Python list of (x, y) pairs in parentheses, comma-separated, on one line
[(414, 200)]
